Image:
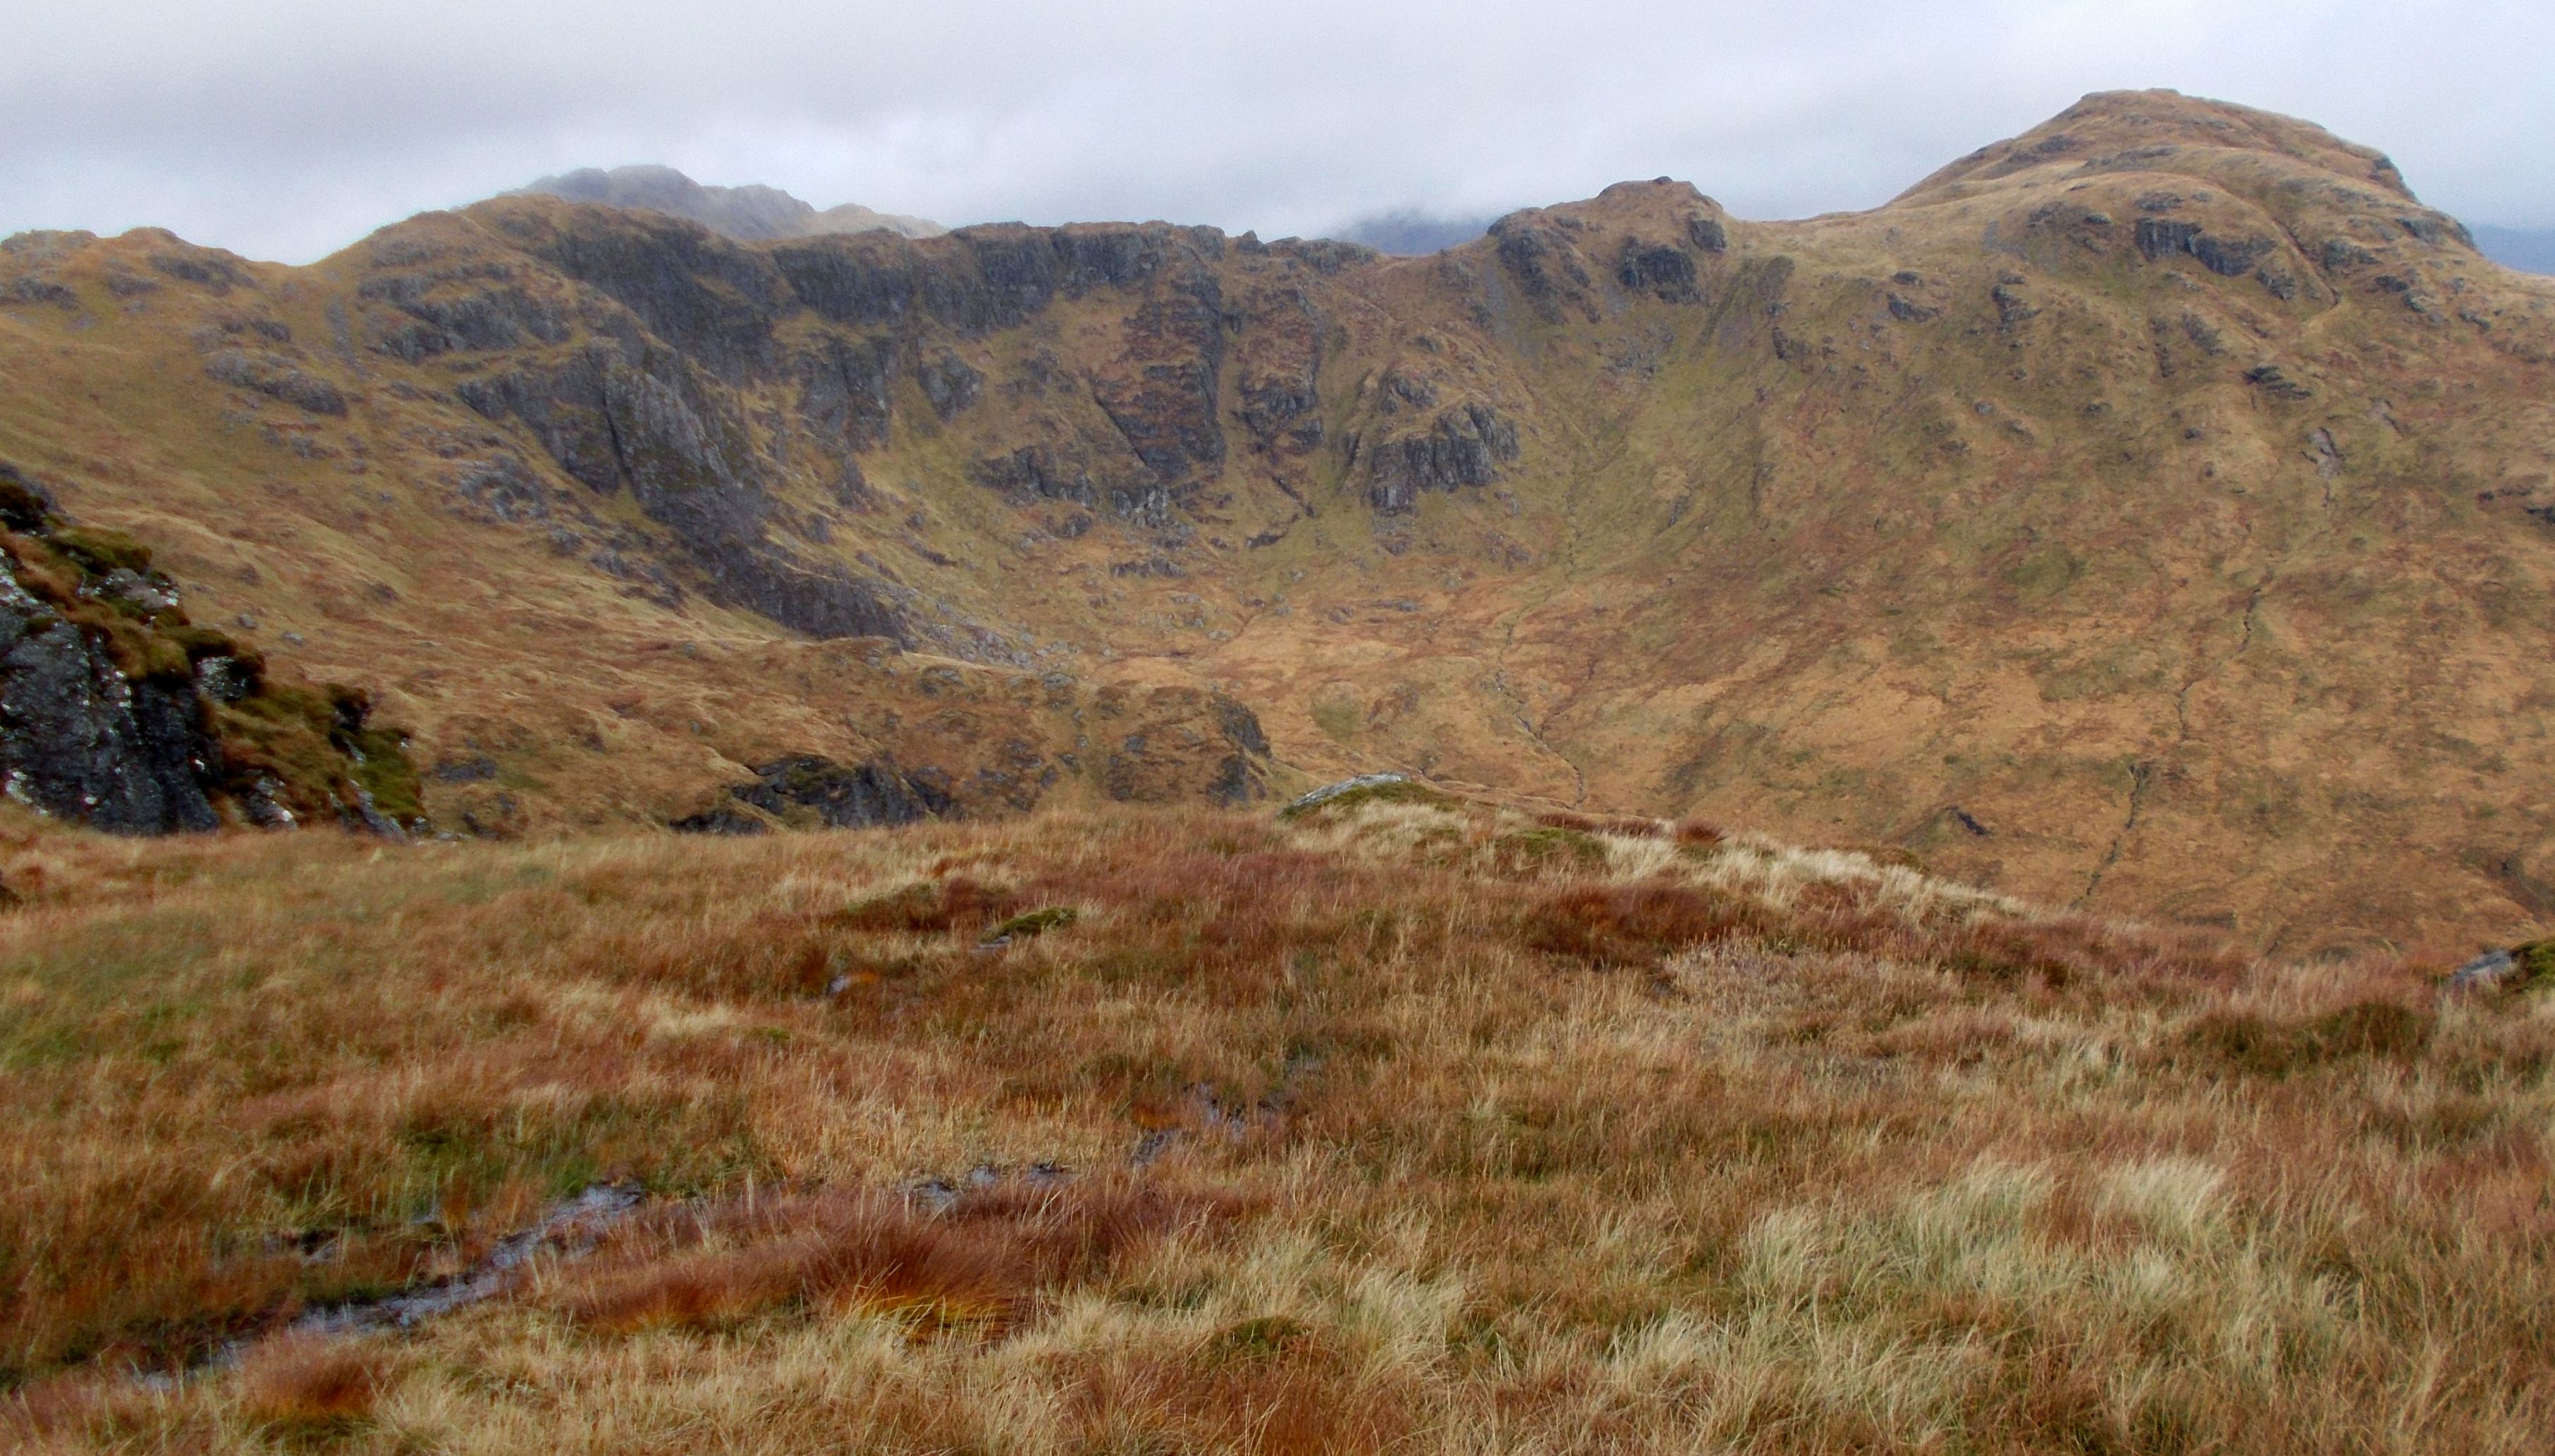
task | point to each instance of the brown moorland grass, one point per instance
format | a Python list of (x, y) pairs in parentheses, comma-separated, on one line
[(1353, 1131)]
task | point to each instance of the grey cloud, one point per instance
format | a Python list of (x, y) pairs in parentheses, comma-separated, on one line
[(285, 128)]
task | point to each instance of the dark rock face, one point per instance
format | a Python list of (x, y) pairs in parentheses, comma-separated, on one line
[(2159, 238), (1280, 367), (1909, 312), (809, 788), (1161, 391), (117, 713), (1239, 778), (2437, 232), (2269, 380), (1039, 471), (476, 768), (2013, 309), (652, 426), (468, 307), (951, 384), (79, 741), (1466, 446), (1659, 269), (1159, 745), (502, 488), (276, 378), (1540, 257), (720, 821), (23, 502), (706, 296), (980, 278), (843, 392), (209, 268), (2229, 259)]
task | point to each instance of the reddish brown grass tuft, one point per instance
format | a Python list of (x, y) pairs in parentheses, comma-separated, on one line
[(1630, 826), (930, 908), (1698, 833), (980, 1261), (311, 1381)]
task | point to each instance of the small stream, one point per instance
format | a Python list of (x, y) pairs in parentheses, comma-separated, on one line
[(568, 1228)]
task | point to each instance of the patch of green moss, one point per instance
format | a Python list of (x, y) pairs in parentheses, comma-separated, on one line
[(385, 770), (140, 652), (99, 551), (2535, 965), (1036, 922), (316, 744)]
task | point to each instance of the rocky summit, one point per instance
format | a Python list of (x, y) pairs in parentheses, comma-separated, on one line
[(2153, 513)]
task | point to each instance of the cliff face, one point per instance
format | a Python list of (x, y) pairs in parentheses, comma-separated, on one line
[(2152, 510)]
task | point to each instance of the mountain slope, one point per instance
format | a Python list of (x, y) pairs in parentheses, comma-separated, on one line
[(2151, 512)]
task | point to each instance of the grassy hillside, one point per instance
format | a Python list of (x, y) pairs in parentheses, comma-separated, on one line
[(2150, 512), (1406, 1122)]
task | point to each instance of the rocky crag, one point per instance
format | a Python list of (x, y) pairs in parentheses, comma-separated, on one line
[(2153, 512), (118, 712)]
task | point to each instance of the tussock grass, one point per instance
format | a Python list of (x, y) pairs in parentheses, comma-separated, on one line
[(1352, 1131)]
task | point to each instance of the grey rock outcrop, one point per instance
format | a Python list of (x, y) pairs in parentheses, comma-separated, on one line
[(1467, 445), (2485, 972), (1659, 269), (651, 425), (813, 788), (277, 378), (1330, 791), (82, 741), (2520, 966)]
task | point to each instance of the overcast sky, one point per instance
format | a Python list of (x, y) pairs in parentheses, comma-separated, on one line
[(285, 129)]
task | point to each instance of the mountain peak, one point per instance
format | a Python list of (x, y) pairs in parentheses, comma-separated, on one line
[(749, 214), (2160, 130)]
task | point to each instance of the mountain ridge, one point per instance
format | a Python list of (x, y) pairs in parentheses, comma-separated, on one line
[(749, 214), (2145, 520), (2529, 250)]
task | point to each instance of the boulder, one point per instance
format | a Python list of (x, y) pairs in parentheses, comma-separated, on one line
[(812, 790), (1330, 791)]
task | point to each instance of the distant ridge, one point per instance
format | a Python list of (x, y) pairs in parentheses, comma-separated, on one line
[(2528, 250), (1407, 234), (2152, 513), (752, 213)]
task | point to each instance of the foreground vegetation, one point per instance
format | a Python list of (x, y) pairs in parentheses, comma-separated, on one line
[(1399, 1122)]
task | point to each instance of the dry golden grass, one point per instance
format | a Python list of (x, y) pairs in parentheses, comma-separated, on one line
[(1393, 1126)]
